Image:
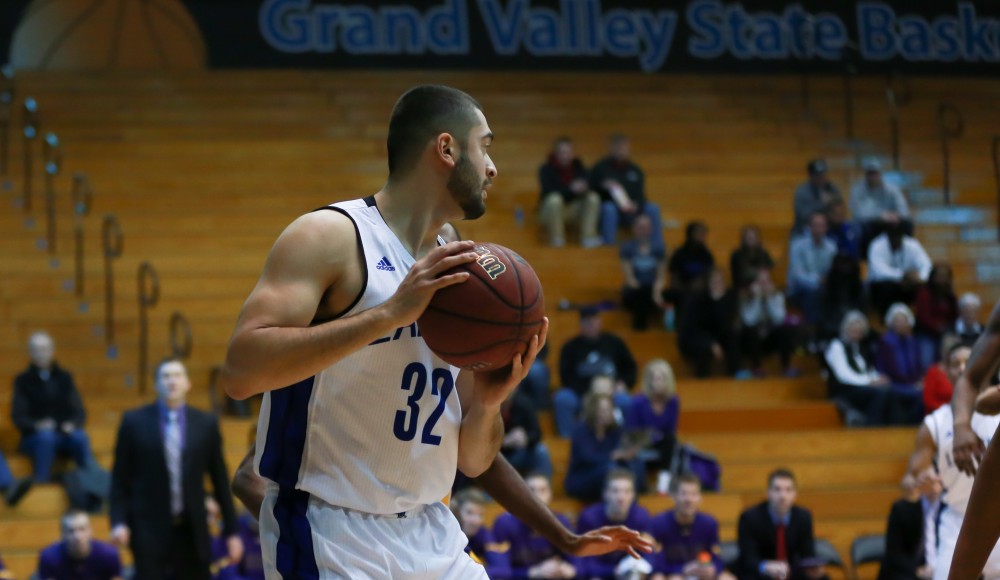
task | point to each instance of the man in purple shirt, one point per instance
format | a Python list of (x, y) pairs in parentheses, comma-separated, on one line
[(79, 556), (689, 539), (531, 555), (618, 508)]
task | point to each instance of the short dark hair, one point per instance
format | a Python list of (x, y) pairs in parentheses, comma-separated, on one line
[(560, 140), (957, 344), (619, 473), (616, 138), (688, 478), (469, 495), (780, 473), (70, 514), (421, 114), (165, 361), (692, 227)]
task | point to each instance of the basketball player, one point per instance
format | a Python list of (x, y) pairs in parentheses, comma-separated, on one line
[(934, 450), (981, 527), (362, 427)]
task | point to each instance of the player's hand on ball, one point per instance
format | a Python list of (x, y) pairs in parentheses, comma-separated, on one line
[(609, 539), (424, 279), (493, 387), (967, 449)]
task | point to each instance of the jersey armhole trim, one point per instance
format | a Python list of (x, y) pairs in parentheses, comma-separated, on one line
[(364, 264)]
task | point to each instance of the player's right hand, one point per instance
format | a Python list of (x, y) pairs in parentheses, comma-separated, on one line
[(424, 279), (967, 449)]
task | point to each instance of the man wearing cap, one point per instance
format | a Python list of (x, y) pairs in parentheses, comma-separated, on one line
[(876, 204), (815, 195)]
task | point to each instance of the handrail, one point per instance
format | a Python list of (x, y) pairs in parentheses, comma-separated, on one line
[(950, 126), (148, 280), (996, 177), (52, 157), (113, 242), (894, 99), (30, 126), (7, 92), (181, 341), (82, 197)]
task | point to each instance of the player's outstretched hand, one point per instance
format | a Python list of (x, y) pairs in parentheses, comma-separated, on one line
[(967, 449), (424, 279), (493, 387), (609, 539)]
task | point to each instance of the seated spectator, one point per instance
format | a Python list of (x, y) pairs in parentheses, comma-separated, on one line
[(909, 551), (591, 353), (618, 508), (469, 506), (763, 331), (897, 265), (813, 196), (853, 380), (747, 259), (688, 539), (939, 382), (536, 384), (844, 232), (48, 411), (522, 440), (707, 332), (690, 264), (876, 205), (251, 565), (531, 555), (899, 359), (776, 536), (596, 448), (79, 555), (842, 293), (809, 261), (936, 310), (644, 266), (653, 415), (566, 196), (13, 489), (622, 186), (968, 327)]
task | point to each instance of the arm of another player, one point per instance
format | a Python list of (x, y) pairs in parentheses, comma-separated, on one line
[(982, 363), (481, 394), (923, 452), (274, 345), (247, 486)]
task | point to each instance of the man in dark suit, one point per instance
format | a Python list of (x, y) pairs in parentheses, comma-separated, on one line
[(163, 453), (776, 536), (905, 538)]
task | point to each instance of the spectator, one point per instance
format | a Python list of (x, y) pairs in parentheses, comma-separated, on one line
[(79, 555), (908, 549), (596, 448), (522, 441), (622, 186), (654, 412), (814, 196), (899, 359), (939, 382), (469, 506), (707, 332), (566, 195), (589, 354), (251, 566), (877, 205), (897, 264), (690, 264), (776, 536), (48, 411), (842, 293), (532, 556), (163, 453), (809, 262), (936, 310), (689, 539), (617, 509), (853, 380), (747, 259), (967, 327), (762, 313), (844, 232), (644, 268)]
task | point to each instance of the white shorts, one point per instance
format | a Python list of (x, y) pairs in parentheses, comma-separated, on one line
[(305, 538), (948, 528)]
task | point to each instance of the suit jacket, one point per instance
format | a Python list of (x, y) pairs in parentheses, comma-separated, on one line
[(36, 399), (758, 540), (140, 482), (903, 538)]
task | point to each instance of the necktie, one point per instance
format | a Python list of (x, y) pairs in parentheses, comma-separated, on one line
[(172, 442), (782, 551)]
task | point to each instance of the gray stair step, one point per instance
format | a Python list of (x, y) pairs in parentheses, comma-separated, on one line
[(954, 215)]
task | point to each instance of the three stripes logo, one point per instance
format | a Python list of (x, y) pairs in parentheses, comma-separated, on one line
[(385, 264)]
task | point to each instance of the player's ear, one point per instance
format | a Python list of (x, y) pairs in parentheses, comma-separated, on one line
[(446, 149)]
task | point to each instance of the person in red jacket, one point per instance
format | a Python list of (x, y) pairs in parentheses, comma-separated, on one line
[(936, 309), (939, 383)]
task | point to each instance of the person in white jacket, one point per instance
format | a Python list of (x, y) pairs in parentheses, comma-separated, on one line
[(897, 264), (853, 379)]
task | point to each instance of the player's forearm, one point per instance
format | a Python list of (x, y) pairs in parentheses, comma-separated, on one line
[(963, 400), (269, 358), (479, 440)]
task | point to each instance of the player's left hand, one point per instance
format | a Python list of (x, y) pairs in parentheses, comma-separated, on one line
[(493, 387), (608, 539)]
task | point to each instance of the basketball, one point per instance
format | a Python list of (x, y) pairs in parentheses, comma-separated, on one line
[(480, 324)]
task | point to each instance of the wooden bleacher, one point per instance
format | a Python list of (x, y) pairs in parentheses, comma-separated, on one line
[(203, 170)]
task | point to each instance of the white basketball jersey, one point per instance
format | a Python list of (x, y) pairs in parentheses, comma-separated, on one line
[(378, 431), (957, 485)]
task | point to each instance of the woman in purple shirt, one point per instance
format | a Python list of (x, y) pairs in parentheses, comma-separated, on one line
[(899, 359), (652, 417)]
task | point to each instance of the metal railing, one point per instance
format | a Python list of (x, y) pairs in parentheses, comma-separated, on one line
[(950, 126), (113, 242), (7, 92), (894, 99), (82, 197), (30, 127), (181, 341), (149, 297), (52, 157), (996, 176)]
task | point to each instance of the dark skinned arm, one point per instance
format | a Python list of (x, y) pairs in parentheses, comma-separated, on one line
[(247, 486)]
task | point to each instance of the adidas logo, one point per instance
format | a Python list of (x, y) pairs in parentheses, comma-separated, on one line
[(384, 264)]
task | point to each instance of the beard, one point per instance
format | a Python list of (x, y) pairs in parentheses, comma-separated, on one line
[(466, 189)]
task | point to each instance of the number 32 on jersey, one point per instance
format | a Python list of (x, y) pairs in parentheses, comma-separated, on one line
[(415, 377)]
